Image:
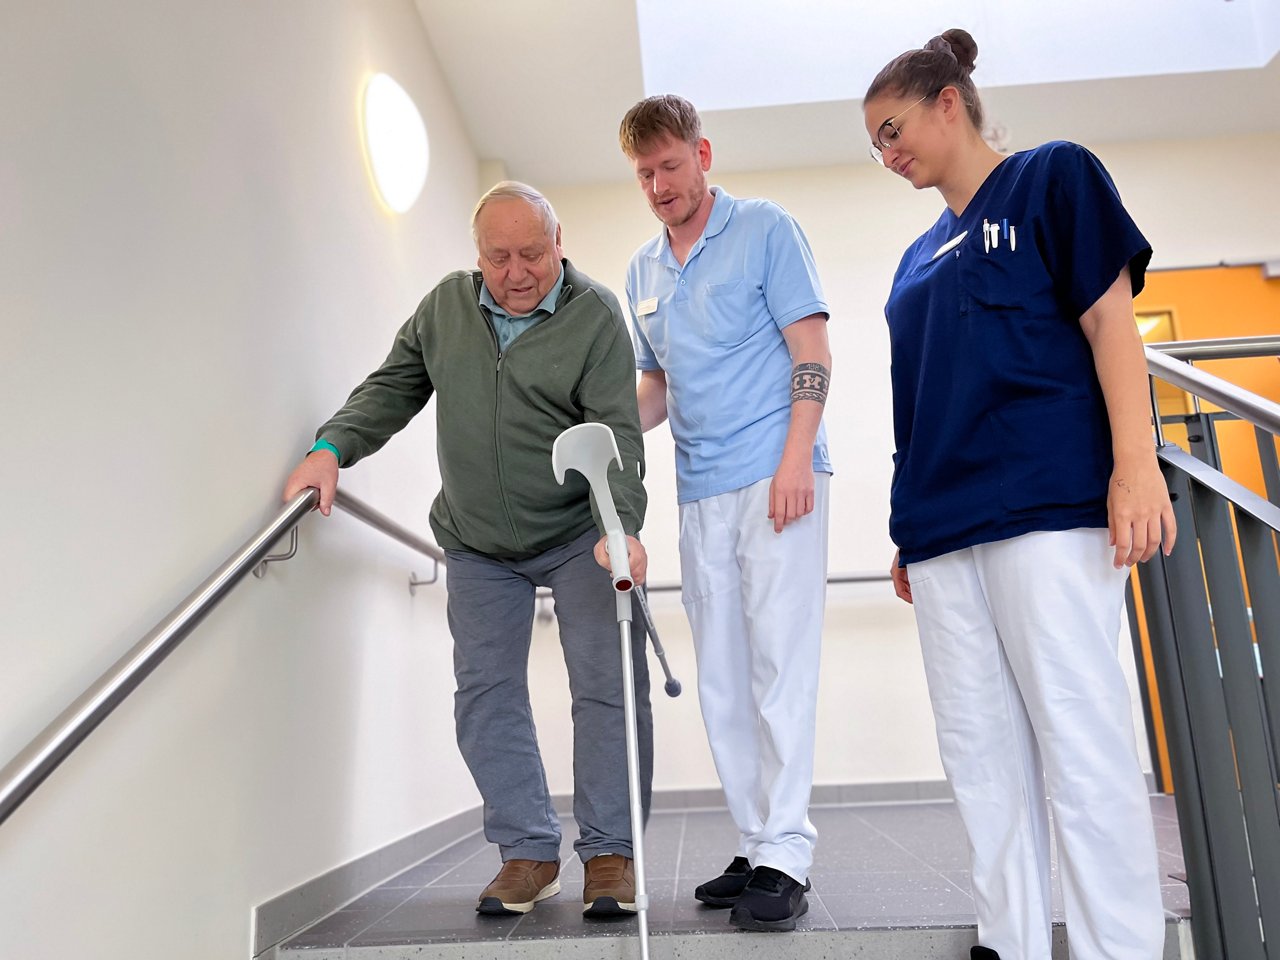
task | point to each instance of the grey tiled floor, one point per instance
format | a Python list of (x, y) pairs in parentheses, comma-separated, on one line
[(879, 866)]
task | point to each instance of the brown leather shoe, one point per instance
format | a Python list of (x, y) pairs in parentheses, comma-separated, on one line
[(609, 886), (518, 886)]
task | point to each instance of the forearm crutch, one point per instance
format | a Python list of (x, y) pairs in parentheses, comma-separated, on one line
[(589, 448)]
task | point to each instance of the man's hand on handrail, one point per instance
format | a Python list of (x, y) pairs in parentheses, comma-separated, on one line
[(318, 469)]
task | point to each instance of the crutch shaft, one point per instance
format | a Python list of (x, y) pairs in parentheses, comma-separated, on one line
[(633, 779)]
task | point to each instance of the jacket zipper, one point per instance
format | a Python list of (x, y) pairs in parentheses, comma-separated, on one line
[(497, 416), (497, 438)]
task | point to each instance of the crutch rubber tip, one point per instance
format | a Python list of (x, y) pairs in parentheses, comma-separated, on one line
[(673, 688)]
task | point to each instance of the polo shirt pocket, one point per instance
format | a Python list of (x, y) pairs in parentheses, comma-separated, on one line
[(1053, 454), (727, 311)]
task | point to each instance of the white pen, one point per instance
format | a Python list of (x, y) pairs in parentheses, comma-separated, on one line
[(995, 235), (1013, 238), (950, 245), (986, 237)]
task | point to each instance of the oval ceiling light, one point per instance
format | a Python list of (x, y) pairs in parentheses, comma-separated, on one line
[(396, 142)]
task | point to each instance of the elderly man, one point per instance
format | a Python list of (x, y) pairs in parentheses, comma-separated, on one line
[(515, 353)]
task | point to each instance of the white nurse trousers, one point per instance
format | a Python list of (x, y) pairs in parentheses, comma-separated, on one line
[(1019, 640), (755, 601)]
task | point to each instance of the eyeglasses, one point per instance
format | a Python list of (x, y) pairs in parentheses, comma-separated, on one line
[(887, 133)]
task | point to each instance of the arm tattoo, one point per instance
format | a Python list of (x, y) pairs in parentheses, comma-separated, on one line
[(810, 381)]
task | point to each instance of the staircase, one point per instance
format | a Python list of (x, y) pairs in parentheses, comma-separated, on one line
[(891, 882)]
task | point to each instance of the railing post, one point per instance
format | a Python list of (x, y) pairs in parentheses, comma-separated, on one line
[(1213, 755), (1156, 422), (1184, 768), (1203, 440), (1258, 550), (1270, 464), (1144, 690), (1243, 698)]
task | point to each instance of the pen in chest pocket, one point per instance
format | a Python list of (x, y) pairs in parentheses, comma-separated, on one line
[(993, 232)]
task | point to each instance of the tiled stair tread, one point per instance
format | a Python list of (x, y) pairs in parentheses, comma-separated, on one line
[(890, 880), (933, 943)]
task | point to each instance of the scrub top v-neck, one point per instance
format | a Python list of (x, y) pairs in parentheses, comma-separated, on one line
[(999, 422)]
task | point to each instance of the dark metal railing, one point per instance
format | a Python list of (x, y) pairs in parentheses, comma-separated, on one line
[(1212, 615)]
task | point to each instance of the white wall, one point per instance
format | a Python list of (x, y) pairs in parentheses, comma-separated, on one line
[(193, 273)]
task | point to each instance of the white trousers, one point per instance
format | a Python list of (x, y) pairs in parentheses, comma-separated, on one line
[(1019, 641), (755, 600)]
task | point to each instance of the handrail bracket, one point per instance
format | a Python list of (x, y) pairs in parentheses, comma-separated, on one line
[(260, 570)]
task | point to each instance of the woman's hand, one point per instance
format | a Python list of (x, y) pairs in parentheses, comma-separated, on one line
[(901, 585), (1139, 514)]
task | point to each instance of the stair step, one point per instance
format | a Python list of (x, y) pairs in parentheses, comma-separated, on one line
[(890, 881), (934, 943)]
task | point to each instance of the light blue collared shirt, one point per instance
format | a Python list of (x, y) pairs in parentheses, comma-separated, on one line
[(508, 327), (715, 327)]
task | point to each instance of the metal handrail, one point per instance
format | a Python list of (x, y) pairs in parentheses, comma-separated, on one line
[(384, 524), (21, 776), (1237, 494), (1247, 406), (675, 586), (1222, 348)]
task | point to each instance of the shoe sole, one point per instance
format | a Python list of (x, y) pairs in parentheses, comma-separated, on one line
[(743, 920), (605, 907), (718, 902), (493, 907)]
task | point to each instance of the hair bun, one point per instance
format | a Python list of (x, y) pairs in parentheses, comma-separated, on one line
[(959, 44), (945, 61)]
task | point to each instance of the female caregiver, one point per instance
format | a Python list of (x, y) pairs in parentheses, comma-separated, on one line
[(1025, 484)]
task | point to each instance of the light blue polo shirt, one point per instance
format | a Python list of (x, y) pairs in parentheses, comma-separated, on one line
[(714, 326), (507, 327)]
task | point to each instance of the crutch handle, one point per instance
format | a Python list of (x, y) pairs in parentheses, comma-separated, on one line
[(590, 449), (619, 562)]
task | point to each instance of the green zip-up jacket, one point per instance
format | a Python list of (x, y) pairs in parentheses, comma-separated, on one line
[(497, 414)]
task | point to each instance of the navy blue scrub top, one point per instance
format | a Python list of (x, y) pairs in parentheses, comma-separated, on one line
[(998, 416)]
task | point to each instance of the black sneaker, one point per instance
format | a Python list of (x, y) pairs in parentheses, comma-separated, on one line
[(771, 901), (725, 889), (983, 953)]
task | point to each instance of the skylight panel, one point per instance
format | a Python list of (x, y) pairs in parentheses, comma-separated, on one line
[(734, 54)]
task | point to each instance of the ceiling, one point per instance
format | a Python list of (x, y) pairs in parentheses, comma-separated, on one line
[(543, 85)]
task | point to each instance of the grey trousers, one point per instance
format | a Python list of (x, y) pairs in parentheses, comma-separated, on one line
[(491, 607)]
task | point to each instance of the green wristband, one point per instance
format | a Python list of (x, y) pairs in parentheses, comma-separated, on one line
[(326, 445)]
